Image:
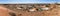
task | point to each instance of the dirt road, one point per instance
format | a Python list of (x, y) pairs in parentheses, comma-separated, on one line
[(3, 11)]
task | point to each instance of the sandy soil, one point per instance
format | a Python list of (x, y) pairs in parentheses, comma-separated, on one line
[(5, 12)]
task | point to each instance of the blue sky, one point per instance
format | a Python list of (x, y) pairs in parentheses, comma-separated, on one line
[(29, 1)]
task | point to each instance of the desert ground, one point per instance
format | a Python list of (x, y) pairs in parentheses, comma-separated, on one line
[(24, 10)]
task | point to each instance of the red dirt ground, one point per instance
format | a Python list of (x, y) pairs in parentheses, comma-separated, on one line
[(3, 11), (55, 12)]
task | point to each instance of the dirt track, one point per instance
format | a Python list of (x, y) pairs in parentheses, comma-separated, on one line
[(3, 11)]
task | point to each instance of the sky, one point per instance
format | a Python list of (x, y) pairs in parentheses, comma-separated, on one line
[(29, 1)]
